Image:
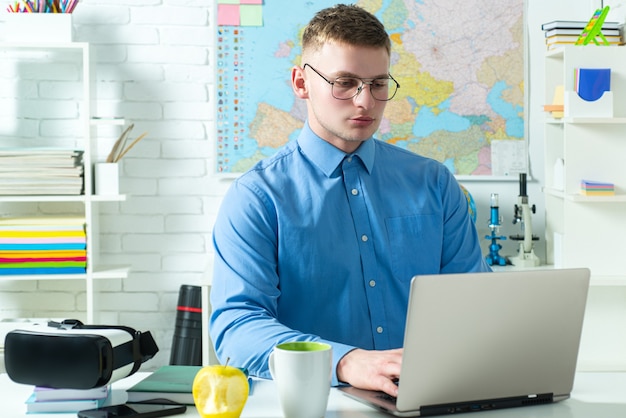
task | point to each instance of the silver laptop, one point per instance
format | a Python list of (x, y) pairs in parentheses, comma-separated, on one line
[(481, 341)]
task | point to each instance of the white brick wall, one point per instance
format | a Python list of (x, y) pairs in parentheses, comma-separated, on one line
[(154, 67)]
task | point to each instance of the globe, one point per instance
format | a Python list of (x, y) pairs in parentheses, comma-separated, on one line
[(470, 203)]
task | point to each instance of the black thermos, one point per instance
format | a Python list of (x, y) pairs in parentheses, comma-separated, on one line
[(187, 340)]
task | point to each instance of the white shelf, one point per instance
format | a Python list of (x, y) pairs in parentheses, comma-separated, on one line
[(62, 198), (603, 121), (560, 52), (86, 126), (595, 280), (42, 198), (98, 273), (44, 45), (618, 198), (95, 121), (586, 231), (582, 120), (108, 198)]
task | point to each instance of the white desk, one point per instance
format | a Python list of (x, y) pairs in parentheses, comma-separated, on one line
[(595, 395)]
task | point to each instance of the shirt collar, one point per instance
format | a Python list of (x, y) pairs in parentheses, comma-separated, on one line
[(327, 157)]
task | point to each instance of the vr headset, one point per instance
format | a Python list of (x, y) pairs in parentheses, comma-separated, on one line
[(72, 355)]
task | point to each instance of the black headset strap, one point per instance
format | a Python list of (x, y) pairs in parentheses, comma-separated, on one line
[(142, 347)]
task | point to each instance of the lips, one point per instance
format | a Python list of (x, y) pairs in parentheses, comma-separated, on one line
[(362, 120)]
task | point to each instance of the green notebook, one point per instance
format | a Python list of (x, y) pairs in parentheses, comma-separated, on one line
[(169, 382)]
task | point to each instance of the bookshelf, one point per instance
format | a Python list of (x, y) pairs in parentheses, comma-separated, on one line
[(40, 67), (586, 231)]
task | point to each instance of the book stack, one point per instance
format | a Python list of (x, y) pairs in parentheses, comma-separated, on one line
[(41, 172), (565, 32), (47, 400), (595, 188), (43, 245)]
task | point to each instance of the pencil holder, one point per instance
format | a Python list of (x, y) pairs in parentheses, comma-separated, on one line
[(577, 107), (107, 178), (38, 27)]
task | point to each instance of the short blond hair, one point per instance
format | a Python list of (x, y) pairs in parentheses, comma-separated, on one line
[(346, 24)]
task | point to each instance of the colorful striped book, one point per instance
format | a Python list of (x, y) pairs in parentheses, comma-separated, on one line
[(43, 245), (595, 188)]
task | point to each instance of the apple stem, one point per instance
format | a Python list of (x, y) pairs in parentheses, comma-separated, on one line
[(227, 360)]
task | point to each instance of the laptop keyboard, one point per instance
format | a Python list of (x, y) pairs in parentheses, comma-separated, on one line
[(386, 397)]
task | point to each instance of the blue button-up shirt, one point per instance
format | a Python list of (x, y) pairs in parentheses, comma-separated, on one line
[(314, 244)]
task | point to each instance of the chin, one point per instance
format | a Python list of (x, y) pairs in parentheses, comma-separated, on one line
[(360, 136)]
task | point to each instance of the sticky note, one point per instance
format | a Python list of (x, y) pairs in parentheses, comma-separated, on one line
[(228, 15), (251, 15)]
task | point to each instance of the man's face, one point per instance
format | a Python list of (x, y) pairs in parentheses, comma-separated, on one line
[(344, 123)]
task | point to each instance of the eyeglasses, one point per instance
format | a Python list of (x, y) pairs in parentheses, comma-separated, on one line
[(345, 88)]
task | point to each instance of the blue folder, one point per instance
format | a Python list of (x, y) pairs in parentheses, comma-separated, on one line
[(591, 83)]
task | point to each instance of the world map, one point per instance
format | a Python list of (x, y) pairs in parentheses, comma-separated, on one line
[(460, 66)]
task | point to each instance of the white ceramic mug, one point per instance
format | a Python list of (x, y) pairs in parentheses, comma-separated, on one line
[(302, 372)]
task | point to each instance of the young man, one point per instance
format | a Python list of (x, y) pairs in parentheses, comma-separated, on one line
[(320, 241)]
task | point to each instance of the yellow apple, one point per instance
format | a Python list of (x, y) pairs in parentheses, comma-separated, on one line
[(220, 391)]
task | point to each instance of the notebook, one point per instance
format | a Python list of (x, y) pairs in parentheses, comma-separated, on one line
[(482, 341)]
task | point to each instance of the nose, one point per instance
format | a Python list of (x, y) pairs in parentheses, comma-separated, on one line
[(363, 84), (365, 99)]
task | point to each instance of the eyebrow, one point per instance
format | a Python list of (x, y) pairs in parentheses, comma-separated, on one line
[(349, 74)]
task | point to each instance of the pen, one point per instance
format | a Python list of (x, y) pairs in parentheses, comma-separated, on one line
[(139, 138), (72, 4), (43, 6), (118, 146)]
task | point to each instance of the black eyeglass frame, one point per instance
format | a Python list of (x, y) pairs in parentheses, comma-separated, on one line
[(360, 88)]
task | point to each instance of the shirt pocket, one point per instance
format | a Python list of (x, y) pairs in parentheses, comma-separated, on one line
[(415, 243)]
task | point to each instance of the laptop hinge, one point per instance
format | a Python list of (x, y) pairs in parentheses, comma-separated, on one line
[(487, 404)]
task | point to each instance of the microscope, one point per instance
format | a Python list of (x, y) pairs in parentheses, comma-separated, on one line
[(495, 222), (525, 255)]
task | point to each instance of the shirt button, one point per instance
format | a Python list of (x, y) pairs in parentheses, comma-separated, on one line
[(372, 283), (364, 238), (349, 159), (355, 192), (379, 330)]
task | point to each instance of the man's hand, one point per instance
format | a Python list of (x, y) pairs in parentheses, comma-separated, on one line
[(374, 370)]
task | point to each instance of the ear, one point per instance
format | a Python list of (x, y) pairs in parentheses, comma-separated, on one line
[(298, 82)]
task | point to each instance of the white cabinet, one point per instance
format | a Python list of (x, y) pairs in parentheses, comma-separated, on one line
[(50, 103), (586, 231)]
